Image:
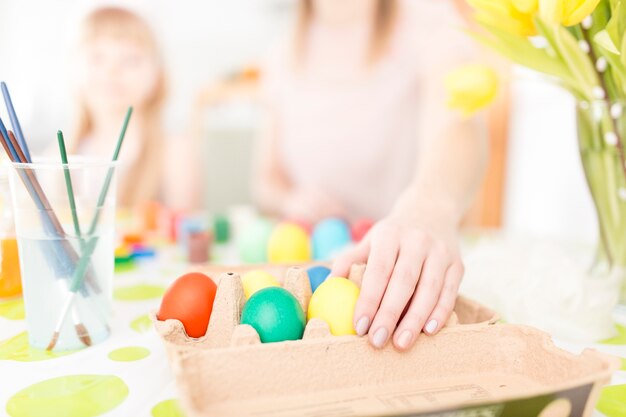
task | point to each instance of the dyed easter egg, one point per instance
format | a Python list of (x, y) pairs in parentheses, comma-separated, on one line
[(317, 275), (275, 314), (329, 237), (289, 243), (254, 281), (334, 302), (252, 243), (360, 228), (305, 225), (190, 300)]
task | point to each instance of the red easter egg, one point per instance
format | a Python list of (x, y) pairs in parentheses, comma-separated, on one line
[(190, 300), (360, 228), (306, 226)]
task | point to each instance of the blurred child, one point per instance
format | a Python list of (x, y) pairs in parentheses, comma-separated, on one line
[(357, 125), (119, 65)]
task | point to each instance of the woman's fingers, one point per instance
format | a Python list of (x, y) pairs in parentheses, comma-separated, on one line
[(357, 255), (399, 291), (426, 296), (383, 254), (447, 299)]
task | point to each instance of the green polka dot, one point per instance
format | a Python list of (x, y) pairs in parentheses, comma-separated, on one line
[(73, 395), (141, 324), (620, 339), (138, 292), (129, 354), (612, 401), (12, 309), (167, 408), (18, 349)]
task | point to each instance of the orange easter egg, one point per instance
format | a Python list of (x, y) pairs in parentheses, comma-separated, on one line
[(190, 300)]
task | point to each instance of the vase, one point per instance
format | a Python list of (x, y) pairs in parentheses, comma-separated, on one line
[(602, 142)]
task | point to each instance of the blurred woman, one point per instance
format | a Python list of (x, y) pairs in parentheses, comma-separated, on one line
[(357, 126), (119, 65)]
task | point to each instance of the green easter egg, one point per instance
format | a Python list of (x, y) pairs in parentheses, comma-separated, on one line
[(275, 314), (253, 242)]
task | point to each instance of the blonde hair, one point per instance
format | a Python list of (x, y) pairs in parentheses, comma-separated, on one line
[(144, 177), (384, 20)]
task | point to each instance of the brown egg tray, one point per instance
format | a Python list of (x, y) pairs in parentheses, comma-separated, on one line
[(474, 366)]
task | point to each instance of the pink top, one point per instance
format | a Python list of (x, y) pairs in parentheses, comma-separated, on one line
[(352, 130)]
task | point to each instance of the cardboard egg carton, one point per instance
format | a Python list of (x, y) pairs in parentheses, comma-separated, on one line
[(474, 366)]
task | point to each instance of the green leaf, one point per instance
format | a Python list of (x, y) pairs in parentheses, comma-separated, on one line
[(521, 51), (617, 24), (624, 51), (603, 39), (618, 70), (578, 62), (602, 15)]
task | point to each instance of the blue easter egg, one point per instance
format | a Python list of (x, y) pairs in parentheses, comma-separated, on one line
[(329, 237), (317, 275)]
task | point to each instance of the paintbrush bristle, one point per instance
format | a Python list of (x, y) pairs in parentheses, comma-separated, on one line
[(53, 341), (83, 334)]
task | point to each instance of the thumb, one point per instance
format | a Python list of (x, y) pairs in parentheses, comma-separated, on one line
[(355, 255)]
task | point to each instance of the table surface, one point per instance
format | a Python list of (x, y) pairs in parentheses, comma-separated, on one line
[(132, 363)]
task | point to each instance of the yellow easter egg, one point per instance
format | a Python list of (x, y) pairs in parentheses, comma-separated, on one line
[(289, 243), (334, 302), (254, 281)]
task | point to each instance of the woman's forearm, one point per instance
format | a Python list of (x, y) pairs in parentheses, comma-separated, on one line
[(449, 173)]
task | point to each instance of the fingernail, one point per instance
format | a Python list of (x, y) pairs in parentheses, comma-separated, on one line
[(362, 325), (380, 337), (405, 339), (431, 326)]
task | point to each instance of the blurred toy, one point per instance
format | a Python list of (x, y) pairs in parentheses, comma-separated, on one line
[(289, 243), (151, 212), (199, 247), (334, 302), (187, 225), (123, 259), (132, 239), (221, 228), (275, 314), (360, 228), (190, 299), (317, 275), (142, 251), (10, 276), (254, 281), (329, 237), (252, 243)]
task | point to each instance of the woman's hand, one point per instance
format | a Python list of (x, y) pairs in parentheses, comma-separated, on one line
[(411, 281)]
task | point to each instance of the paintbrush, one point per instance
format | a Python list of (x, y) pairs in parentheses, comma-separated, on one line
[(15, 122), (65, 257), (92, 242), (81, 330)]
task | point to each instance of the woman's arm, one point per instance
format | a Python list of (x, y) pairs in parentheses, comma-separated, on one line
[(270, 186), (274, 193), (413, 260), (181, 173)]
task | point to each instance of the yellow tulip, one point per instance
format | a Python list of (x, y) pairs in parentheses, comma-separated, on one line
[(514, 16), (566, 12), (471, 88)]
